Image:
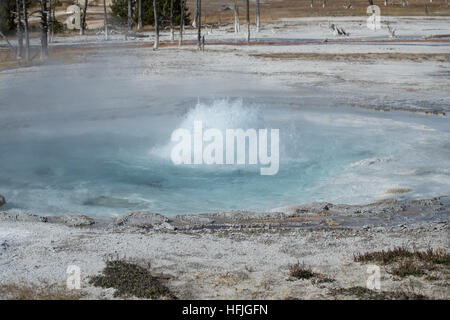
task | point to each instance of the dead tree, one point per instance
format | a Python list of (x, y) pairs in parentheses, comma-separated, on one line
[(180, 40), (194, 23), (11, 47), (83, 18), (27, 36), (199, 23), (236, 17), (130, 16), (49, 21), (155, 13), (19, 31), (140, 14), (105, 19), (258, 16), (247, 4), (172, 36), (44, 30), (390, 30)]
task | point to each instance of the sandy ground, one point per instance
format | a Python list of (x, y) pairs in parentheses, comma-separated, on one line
[(242, 260), (235, 264), (235, 255)]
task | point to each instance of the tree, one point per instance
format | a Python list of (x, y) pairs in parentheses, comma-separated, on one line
[(105, 19), (19, 31), (140, 15), (44, 29), (7, 16), (171, 21), (194, 23), (119, 8), (258, 16), (199, 23), (83, 18), (27, 37), (155, 11), (180, 40), (130, 15), (247, 4), (236, 17)]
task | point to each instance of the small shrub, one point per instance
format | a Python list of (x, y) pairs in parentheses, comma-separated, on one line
[(408, 268), (130, 279), (300, 271), (400, 253)]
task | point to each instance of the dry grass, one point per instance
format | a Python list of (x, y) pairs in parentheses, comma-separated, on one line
[(440, 256), (367, 294), (213, 10), (417, 57), (300, 271), (403, 262), (16, 291)]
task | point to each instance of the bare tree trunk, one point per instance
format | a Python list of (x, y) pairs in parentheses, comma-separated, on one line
[(83, 18), (140, 15), (199, 23), (50, 22), (155, 12), (44, 29), (258, 16), (11, 47), (194, 23), (130, 16), (247, 4), (180, 40), (236, 17), (324, 3), (312, 3), (172, 36), (27, 36), (19, 32), (105, 19)]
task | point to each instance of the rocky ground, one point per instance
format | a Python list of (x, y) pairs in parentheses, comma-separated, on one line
[(234, 255)]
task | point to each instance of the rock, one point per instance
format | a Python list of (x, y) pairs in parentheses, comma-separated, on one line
[(246, 215), (22, 217), (194, 219), (2, 200), (141, 219), (164, 225), (76, 220)]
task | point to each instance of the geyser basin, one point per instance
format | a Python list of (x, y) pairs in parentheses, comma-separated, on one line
[(336, 155)]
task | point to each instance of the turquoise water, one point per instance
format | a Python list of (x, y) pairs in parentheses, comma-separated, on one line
[(325, 155), (95, 139)]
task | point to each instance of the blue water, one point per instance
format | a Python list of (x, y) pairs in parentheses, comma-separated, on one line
[(325, 155), (96, 141)]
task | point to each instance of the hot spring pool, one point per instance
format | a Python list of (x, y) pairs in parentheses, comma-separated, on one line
[(98, 144), (336, 155)]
